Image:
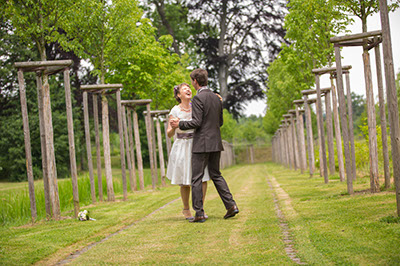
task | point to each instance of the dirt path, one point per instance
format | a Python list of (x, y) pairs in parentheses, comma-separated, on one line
[(280, 194)]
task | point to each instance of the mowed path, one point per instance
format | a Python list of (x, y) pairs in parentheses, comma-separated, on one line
[(252, 237)]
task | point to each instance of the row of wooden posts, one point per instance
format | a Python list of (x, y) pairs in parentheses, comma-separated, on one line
[(128, 129), (288, 143), (127, 116)]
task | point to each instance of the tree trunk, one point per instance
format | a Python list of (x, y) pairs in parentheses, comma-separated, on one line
[(161, 11), (223, 67)]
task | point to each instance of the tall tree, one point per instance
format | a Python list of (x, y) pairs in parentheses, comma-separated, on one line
[(242, 38), (165, 21)]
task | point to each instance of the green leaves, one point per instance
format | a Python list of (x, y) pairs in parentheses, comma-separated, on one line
[(121, 45), (37, 20), (309, 26)]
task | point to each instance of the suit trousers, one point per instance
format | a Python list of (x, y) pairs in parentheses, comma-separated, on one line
[(199, 163)]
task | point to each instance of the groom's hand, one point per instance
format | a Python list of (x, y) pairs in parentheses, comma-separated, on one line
[(174, 122)]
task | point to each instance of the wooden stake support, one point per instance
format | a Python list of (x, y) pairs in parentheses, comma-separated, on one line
[(391, 97), (104, 90), (46, 132), (131, 106)]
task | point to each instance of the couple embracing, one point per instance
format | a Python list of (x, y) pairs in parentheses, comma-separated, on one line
[(198, 127)]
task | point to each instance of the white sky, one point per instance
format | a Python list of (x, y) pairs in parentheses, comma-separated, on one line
[(353, 56)]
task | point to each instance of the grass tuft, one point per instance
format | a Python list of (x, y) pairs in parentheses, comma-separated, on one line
[(390, 220)]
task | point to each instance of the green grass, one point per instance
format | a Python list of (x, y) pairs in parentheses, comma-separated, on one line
[(332, 227), (15, 203), (327, 226), (31, 243), (253, 237)]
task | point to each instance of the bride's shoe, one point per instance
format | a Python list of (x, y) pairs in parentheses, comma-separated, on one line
[(187, 214)]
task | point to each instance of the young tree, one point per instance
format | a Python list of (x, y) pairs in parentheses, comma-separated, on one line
[(309, 25)]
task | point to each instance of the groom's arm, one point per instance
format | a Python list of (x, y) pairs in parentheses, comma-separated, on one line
[(197, 116)]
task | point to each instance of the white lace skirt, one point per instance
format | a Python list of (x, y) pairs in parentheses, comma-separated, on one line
[(179, 169)]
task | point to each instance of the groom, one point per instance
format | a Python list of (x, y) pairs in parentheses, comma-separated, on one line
[(207, 144)]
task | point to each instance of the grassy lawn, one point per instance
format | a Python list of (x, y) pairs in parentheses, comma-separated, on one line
[(331, 227), (327, 226), (15, 203), (253, 237)]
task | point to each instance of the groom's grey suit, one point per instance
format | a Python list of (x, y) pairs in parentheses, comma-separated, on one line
[(207, 146)]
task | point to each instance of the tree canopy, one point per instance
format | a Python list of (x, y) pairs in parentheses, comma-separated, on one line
[(309, 26)]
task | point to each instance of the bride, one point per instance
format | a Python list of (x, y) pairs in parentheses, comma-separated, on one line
[(179, 169)]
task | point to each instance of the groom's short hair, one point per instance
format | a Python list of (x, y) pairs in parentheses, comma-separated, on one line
[(201, 75)]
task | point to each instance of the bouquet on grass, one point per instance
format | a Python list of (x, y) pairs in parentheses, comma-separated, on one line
[(84, 216)]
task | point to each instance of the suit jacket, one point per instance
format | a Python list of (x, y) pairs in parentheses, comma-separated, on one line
[(206, 120)]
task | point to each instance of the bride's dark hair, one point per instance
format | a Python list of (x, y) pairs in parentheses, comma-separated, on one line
[(177, 90)]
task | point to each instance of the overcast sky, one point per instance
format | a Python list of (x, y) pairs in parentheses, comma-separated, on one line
[(353, 56)]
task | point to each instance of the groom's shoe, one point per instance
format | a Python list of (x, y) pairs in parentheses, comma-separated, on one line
[(198, 219), (232, 211)]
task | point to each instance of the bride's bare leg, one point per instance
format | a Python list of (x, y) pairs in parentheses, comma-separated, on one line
[(185, 194)]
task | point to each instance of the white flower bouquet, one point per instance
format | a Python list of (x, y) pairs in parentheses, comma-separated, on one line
[(84, 216)]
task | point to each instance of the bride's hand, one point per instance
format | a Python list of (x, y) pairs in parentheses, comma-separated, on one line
[(174, 122)]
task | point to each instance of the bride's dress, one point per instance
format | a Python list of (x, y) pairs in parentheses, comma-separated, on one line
[(179, 169)]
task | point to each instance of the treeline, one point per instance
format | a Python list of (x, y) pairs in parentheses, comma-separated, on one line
[(309, 25), (148, 46), (108, 42), (245, 130)]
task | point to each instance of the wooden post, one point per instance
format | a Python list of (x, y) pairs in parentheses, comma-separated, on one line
[(130, 134), (391, 97), (338, 134), (154, 141), (321, 131), (233, 155), (43, 146), (106, 148), (351, 130), (382, 113), (121, 144), (294, 140), (127, 146), (321, 165), (300, 139), (88, 145), (247, 154), (252, 153), (160, 152), (290, 143), (284, 145), (329, 132), (150, 145), (51, 160), (71, 142), (98, 151), (138, 149), (310, 138), (343, 119), (167, 140), (27, 138), (373, 147)]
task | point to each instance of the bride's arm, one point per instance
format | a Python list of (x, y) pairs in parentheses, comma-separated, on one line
[(170, 130)]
